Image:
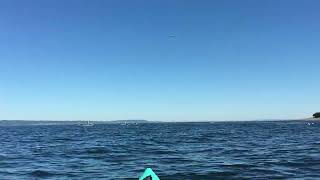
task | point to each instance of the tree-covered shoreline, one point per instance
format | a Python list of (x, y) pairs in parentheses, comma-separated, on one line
[(316, 115)]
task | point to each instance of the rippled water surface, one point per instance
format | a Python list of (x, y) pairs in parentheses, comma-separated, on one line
[(229, 150)]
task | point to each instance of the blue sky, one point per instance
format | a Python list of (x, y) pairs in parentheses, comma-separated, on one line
[(159, 60)]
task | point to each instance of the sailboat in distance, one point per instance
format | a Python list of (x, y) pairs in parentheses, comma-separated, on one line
[(88, 123)]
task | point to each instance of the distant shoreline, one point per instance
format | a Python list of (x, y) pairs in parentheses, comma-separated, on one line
[(67, 122), (312, 119), (77, 122)]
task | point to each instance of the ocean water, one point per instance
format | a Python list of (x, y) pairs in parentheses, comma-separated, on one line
[(182, 151)]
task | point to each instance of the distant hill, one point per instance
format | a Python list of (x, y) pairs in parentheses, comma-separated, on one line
[(316, 115)]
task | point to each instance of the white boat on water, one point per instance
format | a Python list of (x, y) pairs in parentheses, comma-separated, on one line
[(88, 124), (124, 124)]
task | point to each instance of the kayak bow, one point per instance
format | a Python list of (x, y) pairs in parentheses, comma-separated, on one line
[(149, 175)]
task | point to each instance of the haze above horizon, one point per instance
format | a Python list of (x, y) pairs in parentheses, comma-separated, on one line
[(159, 60)]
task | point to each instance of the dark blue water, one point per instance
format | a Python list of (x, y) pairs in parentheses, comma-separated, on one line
[(231, 150)]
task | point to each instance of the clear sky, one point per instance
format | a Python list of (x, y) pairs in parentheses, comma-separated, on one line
[(169, 60)]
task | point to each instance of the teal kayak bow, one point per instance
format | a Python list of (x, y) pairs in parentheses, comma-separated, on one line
[(149, 175)]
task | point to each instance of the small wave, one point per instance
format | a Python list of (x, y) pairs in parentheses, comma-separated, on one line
[(206, 176), (41, 173), (238, 165), (162, 152), (97, 150), (3, 156), (63, 139)]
